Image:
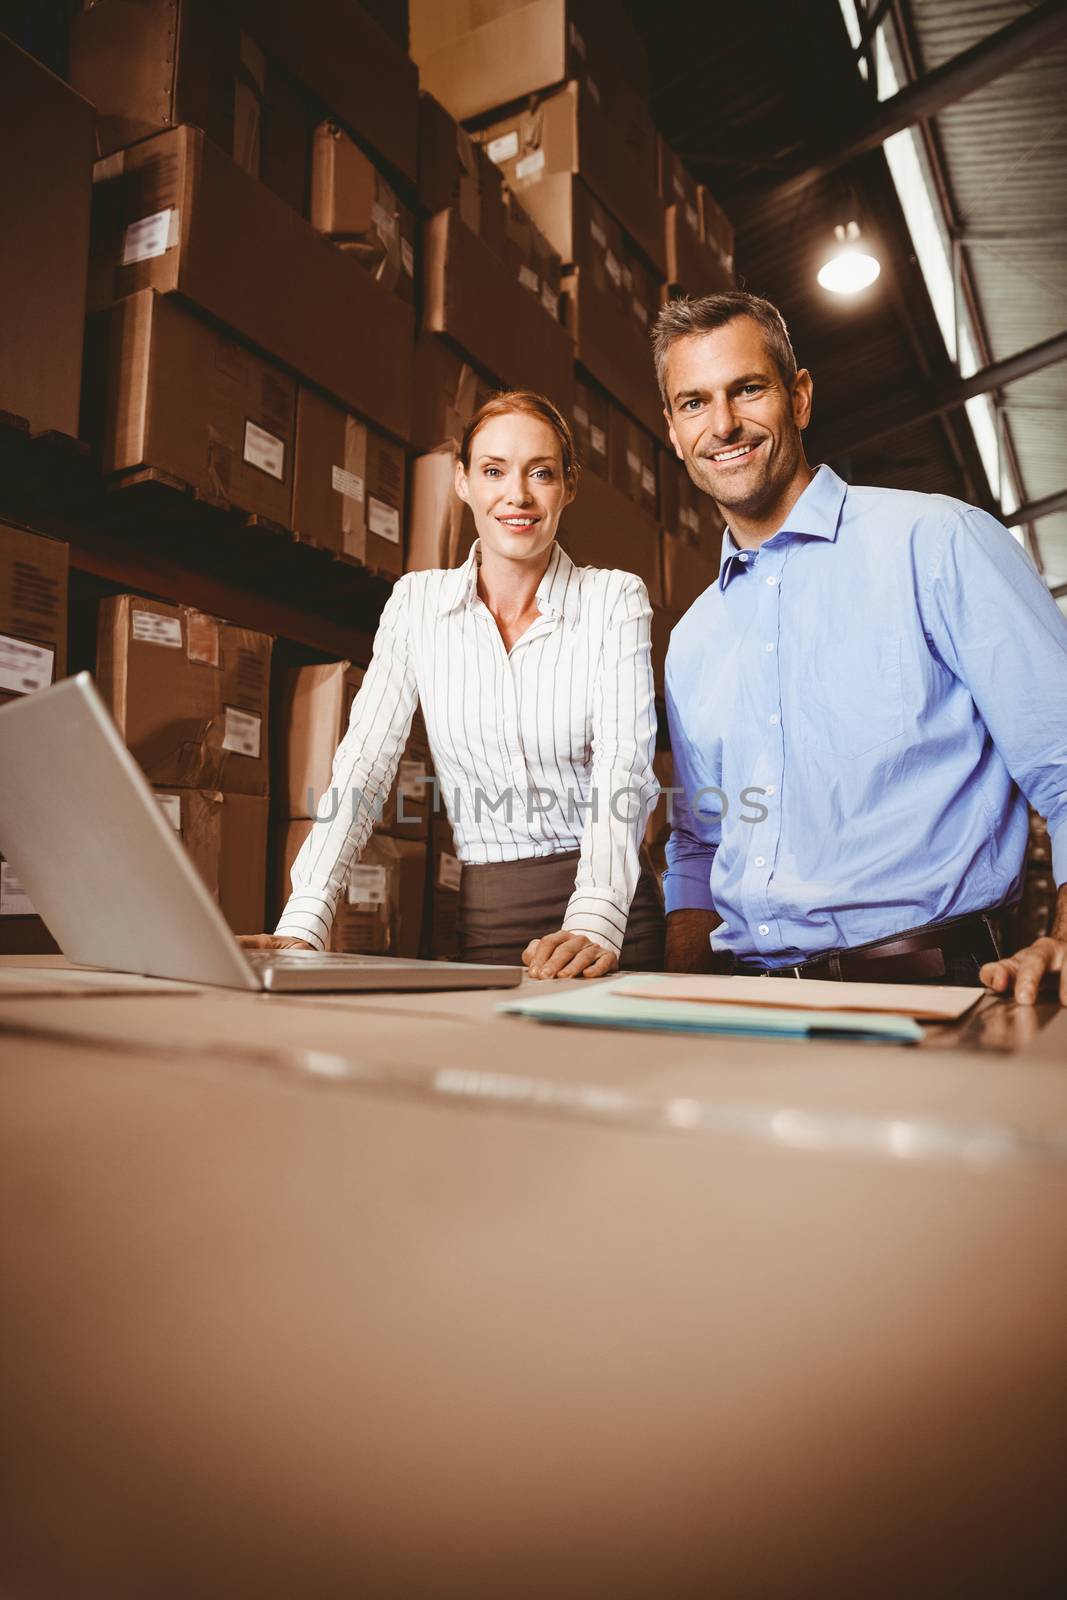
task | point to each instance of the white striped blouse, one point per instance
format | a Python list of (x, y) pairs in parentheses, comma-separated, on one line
[(539, 750)]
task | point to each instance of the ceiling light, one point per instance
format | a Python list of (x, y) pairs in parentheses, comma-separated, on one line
[(851, 267)]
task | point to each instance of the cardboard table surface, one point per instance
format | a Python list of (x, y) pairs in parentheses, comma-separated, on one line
[(301, 1300)]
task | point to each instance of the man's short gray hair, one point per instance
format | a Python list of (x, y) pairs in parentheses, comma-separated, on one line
[(683, 318)]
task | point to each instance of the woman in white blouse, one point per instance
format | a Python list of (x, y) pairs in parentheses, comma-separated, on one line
[(535, 681)]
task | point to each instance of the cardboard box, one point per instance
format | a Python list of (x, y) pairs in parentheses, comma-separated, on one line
[(174, 213), (455, 174), (531, 257), (226, 836), (663, 622), (632, 457), (717, 229), (443, 880), (313, 714), (566, 134), (181, 395), (152, 65), (380, 912), (33, 611), (189, 693), (448, 389), (358, 73), (479, 54), (686, 573), (686, 511), (602, 528), (441, 526), (348, 492), (22, 931), (592, 423), (470, 297), (612, 347), (354, 205), (46, 134)]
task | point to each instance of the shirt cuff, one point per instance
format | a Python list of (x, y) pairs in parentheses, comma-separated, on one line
[(306, 917), (598, 916), (687, 886)]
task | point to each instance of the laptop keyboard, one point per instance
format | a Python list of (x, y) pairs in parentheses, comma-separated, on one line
[(308, 958)]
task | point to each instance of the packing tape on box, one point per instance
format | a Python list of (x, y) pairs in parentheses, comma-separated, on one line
[(916, 1141)]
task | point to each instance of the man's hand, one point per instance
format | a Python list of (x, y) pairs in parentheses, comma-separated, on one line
[(1026, 968), (271, 941), (568, 955), (689, 940)]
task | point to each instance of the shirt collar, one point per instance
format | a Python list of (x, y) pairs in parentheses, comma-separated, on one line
[(558, 593), (816, 515)]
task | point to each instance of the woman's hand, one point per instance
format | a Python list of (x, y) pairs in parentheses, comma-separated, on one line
[(568, 955), (271, 941)]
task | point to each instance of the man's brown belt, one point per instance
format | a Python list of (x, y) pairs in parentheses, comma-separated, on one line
[(919, 955)]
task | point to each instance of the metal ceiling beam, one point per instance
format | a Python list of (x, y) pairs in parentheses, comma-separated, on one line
[(860, 433), (1034, 510), (991, 58)]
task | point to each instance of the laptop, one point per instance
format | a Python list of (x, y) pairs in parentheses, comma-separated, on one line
[(104, 868)]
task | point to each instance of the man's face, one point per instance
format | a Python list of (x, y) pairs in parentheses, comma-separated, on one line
[(732, 419)]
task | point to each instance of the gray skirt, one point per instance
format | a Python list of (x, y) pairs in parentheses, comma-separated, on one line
[(505, 904)]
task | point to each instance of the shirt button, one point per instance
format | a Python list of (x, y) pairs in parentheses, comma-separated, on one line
[(768, 648), (760, 862), (768, 788), (774, 718), (763, 928), (743, 556), (772, 581)]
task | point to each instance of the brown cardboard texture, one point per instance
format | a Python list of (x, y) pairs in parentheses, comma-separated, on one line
[(175, 214), (567, 133), (189, 694), (184, 397), (226, 837), (633, 454), (441, 526), (33, 611), (380, 910), (470, 297), (456, 174), (355, 206), (447, 390), (612, 347), (313, 716), (478, 54), (687, 511), (686, 573), (662, 625), (22, 931), (441, 912), (592, 421), (348, 493), (602, 528), (717, 228), (46, 134)]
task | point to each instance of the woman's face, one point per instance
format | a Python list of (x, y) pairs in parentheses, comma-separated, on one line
[(515, 486)]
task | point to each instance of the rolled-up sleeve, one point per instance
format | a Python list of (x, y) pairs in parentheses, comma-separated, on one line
[(363, 771), (994, 623), (695, 836), (623, 785)]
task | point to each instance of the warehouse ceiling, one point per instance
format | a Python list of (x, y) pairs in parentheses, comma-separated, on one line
[(750, 95)]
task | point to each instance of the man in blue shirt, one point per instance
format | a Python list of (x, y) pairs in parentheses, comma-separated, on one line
[(859, 708)]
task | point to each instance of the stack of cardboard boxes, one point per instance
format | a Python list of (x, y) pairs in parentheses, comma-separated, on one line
[(382, 907), (191, 697)]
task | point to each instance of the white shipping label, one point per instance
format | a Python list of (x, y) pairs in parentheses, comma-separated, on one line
[(150, 628), (504, 148), (633, 461), (640, 312), (577, 42), (648, 480), (171, 807), (411, 779), (348, 484), (24, 667), (531, 166), (241, 732), (597, 233), (265, 451), (550, 300), (367, 886), (383, 220), (692, 219), (678, 186), (598, 440), (614, 270), (581, 416), (529, 279), (14, 901), (383, 520), (449, 871), (151, 236), (407, 257)]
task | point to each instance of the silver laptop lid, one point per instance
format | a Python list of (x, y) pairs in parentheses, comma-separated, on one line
[(87, 838)]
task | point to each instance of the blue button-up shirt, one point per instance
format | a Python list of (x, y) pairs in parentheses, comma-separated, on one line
[(859, 711)]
